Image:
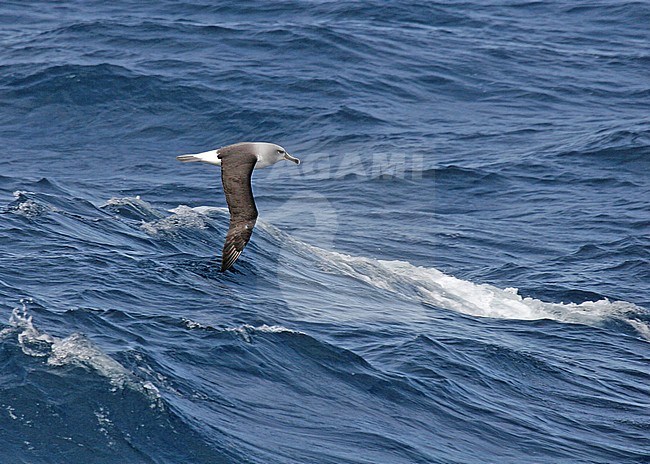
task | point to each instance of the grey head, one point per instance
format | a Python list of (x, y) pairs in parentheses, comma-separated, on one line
[(266, 153)]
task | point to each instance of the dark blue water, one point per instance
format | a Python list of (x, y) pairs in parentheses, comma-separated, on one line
[(458, 272)]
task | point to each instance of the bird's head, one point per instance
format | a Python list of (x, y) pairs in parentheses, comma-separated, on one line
[(281, 154), (268, 153)]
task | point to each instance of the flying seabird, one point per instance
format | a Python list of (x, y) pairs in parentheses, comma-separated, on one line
[(237, 163)]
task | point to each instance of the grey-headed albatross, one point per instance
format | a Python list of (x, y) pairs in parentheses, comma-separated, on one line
[(237, 163)]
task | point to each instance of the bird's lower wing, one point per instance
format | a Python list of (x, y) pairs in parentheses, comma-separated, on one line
[(236, 239), (236, 171)]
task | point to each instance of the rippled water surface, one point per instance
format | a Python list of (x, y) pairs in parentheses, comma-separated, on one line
[(458, 271)]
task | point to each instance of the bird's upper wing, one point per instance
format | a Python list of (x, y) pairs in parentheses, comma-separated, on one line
[(236, 172)]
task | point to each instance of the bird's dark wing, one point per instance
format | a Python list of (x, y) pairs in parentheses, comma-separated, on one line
[(236, 171)]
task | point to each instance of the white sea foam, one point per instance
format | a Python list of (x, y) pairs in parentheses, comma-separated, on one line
[(105, 424), (431, 286), (136, 203), (640, 327), (183, 217), (208, 210), (28, 207), (244, 331), (74, 350)]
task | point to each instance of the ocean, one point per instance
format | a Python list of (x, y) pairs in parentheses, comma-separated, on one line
[(457, 272)]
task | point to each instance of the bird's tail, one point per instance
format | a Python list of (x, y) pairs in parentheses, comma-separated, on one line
[(188, 158), (210, 157)]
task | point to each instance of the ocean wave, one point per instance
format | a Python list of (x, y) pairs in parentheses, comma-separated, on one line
[(182, 218), (81, 94), (131, 208), (441, 290), (423, 285), (117, 413), (74, 350), (242, 329), (25, 206), (433, 287), (452, 152)]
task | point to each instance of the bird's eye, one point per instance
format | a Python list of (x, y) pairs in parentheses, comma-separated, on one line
[(281, 152)]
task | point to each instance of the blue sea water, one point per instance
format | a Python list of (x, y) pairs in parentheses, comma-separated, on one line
[(458, 271)]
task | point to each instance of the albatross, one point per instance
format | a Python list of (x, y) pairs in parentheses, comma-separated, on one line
[(237, 164)]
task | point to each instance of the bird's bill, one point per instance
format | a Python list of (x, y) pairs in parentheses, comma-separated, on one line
[(287, 156)]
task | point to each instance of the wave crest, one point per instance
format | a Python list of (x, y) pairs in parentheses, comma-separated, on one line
[(74, 350)]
